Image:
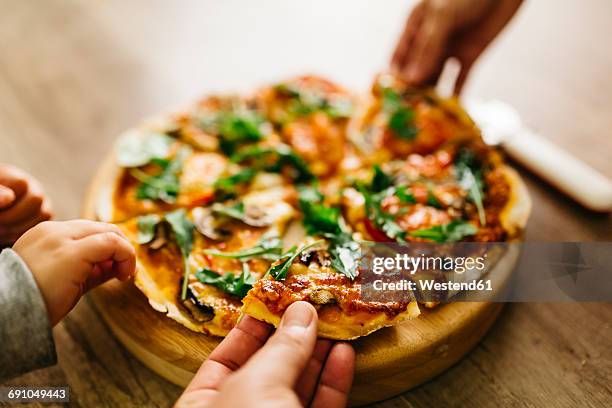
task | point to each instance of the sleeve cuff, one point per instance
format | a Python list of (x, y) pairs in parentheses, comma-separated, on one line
[(25, 332)]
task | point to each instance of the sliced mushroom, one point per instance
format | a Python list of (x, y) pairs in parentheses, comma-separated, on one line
[(209, 225), (161, 237), (200, 312), (322, 296), (257, 216)]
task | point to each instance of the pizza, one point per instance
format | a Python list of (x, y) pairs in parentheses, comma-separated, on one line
[(246, 204)]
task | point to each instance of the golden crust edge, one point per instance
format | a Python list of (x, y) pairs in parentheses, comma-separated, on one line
[(161, 303), (258, 310), (516, 212)]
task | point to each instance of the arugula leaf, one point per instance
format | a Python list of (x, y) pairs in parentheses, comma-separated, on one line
[(136, 149), (380, 218), (391, 100), (405, 196), (279, 270), (275, 159), (322, 220), (182, 229), (235, 211), (164, 186), (146, 228), (306, 101), (432, 200), (345, 254), (227, 185), (470, 179), (402, 123), (454, 231), (236, 285), (270, 247), (401, 116), (381, 180), (235, 128), (317, 218)]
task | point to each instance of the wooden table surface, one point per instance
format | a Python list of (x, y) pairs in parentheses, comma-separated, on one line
[(74, 73)]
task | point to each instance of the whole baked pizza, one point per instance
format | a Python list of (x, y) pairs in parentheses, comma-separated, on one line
[(246, 204)]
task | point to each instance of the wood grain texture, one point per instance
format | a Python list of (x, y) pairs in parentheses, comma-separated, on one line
[(74, 73)]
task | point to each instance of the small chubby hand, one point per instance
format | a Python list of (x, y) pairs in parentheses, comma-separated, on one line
[(291, 368), (68, 258), (23, 203)]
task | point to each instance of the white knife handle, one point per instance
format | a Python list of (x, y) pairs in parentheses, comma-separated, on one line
[(570, 175)]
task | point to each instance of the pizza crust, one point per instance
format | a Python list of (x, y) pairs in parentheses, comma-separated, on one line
[(340, 326), (515, 214)]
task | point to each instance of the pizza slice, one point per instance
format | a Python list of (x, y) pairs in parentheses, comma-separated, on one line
[(460, 193), (310, 273), (156, 173), (196, 265), (311, 114), (396, 120)]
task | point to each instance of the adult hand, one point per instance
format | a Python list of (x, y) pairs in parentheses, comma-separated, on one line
[(289, 369), (23, 204), (440, 29), (68, 258)]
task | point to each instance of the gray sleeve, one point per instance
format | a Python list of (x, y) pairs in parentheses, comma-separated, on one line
[(26, 341)]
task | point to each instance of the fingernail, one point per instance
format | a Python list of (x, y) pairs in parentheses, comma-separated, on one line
[(299, 314)]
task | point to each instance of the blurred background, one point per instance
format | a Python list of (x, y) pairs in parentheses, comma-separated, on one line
[(75, 73)]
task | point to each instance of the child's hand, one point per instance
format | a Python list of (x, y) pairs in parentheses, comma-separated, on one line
[(69, 258), (22, 204)]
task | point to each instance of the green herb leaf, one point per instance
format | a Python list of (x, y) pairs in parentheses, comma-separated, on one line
[(391, 100), (136, 149), (275, 160), (164, 186), (405, 196), (236, 285), (380, 218), (270, 247), (345, 254), (317, 218), (470, 179), (226, 186), (235, 128), (306, 101), (182, 229), (146, 228), (235, 210), (432, 200), (401, 116), (454, 231), (279, 270), (381, 180), (402, 123)]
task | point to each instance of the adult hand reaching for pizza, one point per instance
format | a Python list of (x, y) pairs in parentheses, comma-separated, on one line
[(440, 29), (69, 258), (291, 368), (23, 204)]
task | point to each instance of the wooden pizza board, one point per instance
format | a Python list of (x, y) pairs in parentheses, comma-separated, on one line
[(389, 362)]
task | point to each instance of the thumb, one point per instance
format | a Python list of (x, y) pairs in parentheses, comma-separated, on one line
[(285, 355), (7, 197)]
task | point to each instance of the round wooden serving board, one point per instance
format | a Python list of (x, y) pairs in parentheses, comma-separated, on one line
[(389, 362)]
